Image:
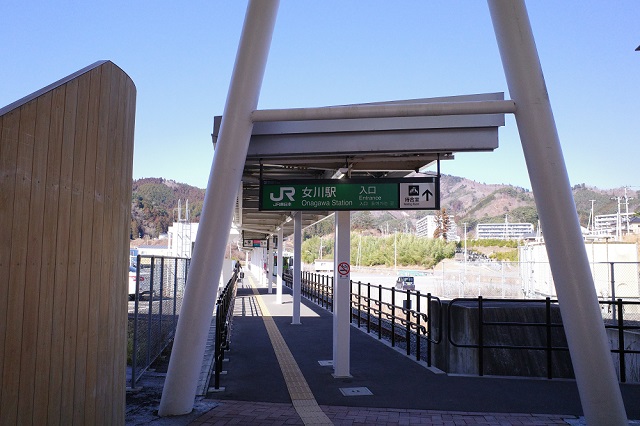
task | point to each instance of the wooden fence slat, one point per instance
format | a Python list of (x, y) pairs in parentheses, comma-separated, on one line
[(17, 277), (70, 323), (107, 307), (34, 261), (126, 183), (120, 278), (99, 135), (4, 253), (83, 392), (48, 268), (62, 255), (99, 293), (10, 158)]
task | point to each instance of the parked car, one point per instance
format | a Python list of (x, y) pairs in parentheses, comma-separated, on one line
[(132, 282), (143, 287), (405, 283)]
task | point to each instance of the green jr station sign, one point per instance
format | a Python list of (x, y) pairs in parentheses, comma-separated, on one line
[(351, 194)]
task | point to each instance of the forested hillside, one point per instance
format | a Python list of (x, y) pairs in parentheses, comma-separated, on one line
[(154, 205)]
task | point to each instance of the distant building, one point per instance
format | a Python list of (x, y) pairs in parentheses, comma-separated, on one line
[(612, 224), (182, 238), (151, 248), (537, 279), (634, 225), (503, 230), (426, 227)]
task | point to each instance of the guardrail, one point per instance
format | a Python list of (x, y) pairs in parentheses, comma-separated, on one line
[(154, 310), (224, 318), (398, 318), (403, 316), (552, 329)]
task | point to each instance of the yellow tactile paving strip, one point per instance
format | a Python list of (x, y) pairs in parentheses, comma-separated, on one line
[(303, 400)]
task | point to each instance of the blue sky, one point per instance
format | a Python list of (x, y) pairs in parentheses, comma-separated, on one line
[(331, 52)]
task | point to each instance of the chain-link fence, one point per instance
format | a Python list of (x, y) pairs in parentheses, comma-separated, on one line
[(511, 280), (156, 289), (612, 280), (471, 279)]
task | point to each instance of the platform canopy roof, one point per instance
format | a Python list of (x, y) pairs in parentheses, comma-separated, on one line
[(371, 147)]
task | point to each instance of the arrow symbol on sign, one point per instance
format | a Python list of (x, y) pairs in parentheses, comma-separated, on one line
[(426, 194)]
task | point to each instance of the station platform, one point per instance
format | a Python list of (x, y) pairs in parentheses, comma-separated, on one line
[(278, 373)]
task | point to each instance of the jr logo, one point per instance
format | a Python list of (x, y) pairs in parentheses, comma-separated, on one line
[(285, 190)]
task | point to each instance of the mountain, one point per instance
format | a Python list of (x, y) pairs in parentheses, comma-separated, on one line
[(472, 202), (154, 206)]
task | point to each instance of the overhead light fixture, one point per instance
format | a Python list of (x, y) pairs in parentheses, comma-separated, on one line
[(339, 174)]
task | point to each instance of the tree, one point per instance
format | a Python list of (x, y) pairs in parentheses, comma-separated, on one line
[(362, 220), (442, 224)]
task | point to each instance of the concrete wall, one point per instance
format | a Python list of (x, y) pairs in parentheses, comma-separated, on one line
[(522, 362), (66, 156), (632, 361)]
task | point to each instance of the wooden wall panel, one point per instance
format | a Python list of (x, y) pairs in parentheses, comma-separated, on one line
[(107, 266), (93, 326), (34, 260), (25, 125), (49, 240), (8, 158), (60, 284), (5, 252), (85, 279), (65, 188)]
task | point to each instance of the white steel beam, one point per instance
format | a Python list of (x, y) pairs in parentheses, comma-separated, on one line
[(588, 344), (180, 386), (385, 111)]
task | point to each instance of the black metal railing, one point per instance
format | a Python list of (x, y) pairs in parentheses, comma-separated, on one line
[(549, 321), (622, 327), (318, 288), (155, 299), (224, 318), (552, 338), (415, 321), (409, 322), (404, 317)]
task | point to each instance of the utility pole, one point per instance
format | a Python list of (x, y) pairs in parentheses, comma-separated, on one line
[(591, 221), (626, 203)]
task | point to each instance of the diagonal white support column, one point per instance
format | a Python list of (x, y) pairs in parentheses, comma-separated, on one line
[(226, 172), (280, 266), (341, 296), (588, 344), (297, 266)]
